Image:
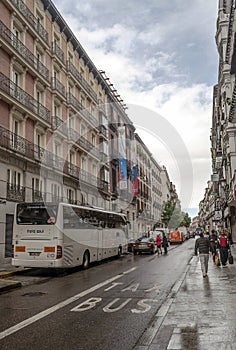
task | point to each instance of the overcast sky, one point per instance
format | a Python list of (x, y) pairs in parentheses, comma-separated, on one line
[(160, 55)]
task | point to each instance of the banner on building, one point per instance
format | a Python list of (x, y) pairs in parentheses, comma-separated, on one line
[(135, 180), (123, 184), (122, 174)]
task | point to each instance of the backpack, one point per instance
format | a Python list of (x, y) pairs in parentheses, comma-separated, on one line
[(223, 242)]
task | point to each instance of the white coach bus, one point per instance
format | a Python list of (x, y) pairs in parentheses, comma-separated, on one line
[(62, 235)]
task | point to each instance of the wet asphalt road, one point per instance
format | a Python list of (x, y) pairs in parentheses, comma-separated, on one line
[(108, 306)]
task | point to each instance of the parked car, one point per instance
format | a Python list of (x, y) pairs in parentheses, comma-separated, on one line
[(144, 245), (131, 242)]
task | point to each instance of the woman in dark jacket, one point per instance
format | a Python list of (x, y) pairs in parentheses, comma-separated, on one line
[(164, 243), (213, 243)]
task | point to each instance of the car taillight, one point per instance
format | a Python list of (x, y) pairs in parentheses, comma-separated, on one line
[(135, 244), (59, 252), (149, 244)]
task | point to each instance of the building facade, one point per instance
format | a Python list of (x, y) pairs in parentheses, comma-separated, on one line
[(220, 197), (65, 133)]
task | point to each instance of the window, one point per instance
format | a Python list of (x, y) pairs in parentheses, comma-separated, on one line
[(70, 195), (39, 142), (14, 178), (57, 109), (94, 170), (17, 80), (83, 130), (55, 191), (93, 140), (17, 142), (72, 157), (57, 148), (82, 100), (71, 122), (83, 163), (37, 186), (39, 94)]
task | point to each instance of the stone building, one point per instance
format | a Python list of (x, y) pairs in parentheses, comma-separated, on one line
[(64, 131)]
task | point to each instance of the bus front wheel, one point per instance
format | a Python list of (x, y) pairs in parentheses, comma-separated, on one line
[(86, 260)]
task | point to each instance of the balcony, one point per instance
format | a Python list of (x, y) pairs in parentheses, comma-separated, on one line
[(57, 51), (15, 193), (38, 196), (72, 100), (26, 100), (22, 50), (58, 86), (103, 185), (12, 142), (83, 176), (103, 157), (59, 124), (73, 135), (71, 68), (88, 146), (89, 117), (29, 16), (101, 106), (103, 130)]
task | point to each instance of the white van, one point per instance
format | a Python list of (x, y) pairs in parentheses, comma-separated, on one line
[(159, 231)]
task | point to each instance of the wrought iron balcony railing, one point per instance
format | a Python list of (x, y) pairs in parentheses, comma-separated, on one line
[(31, 104), (38, 196), (88, 116), (73, 101), (57, 85), (59, 124), (22, 50), (57, 51), (73, 135), (71, 68), (11, 141), (15, 193), (29, 16)]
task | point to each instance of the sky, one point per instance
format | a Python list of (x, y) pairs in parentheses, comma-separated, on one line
[(162, 59)]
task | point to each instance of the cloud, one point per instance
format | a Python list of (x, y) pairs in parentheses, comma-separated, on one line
[(160, 55)]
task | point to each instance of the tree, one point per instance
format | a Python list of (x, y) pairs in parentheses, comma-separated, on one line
[(186, 220), (172, 217), (167, 212), (176, 218)]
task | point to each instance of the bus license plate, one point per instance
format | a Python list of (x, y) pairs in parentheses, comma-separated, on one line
[(34, 253)]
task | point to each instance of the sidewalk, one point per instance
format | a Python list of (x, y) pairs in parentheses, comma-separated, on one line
[(199, 313), (6, 273)]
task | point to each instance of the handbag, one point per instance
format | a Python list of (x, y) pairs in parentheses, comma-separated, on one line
[(230, 258), (217, 260)]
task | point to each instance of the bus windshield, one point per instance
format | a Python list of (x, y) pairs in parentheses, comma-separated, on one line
[(35, 214)]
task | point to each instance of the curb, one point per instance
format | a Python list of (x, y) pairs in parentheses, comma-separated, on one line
[(6, 285), (147, 337)]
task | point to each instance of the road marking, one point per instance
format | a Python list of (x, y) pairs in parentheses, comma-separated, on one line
[(59, 306)]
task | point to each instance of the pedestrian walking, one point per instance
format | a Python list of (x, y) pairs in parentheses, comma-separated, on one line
[(158, 244), (202, 246), (229, 236), (213, 244), (164, 243), (223, 246)]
